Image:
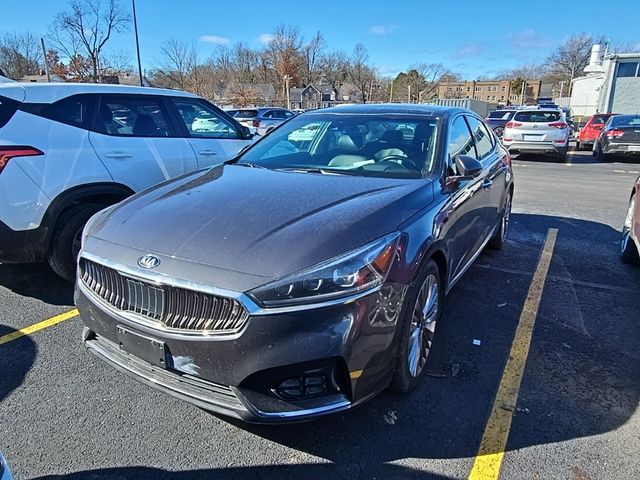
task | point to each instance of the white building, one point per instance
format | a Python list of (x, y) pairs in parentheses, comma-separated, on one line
[(611, 84)]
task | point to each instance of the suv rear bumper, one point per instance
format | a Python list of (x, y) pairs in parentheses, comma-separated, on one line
[(547, 148), (22, 246), (621, 149)]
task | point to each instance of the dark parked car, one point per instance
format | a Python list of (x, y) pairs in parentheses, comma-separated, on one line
[(498, 119), (619, 136), (305, 276), (630, 246)]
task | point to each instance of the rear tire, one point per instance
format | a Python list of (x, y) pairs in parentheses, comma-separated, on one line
[(421, 310), (498, 239), (598, 154), (628, 249), (65, 240)]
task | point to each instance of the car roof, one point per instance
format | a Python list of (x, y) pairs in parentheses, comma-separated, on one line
[(393, 108), (51, 92)]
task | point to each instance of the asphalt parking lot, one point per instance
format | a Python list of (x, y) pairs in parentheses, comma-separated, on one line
[(65, 413)]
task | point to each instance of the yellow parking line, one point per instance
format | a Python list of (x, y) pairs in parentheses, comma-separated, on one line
[(38, 326), (494, 440)]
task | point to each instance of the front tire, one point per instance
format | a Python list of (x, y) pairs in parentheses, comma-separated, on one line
[(66, 237), (421, 311), (628, 250)]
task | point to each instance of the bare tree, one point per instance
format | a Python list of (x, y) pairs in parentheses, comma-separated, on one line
[(334, 68), (20, 54), (86, 27), (360, 72), (285, 53), (179, 60), (571, 56), (312, 53)]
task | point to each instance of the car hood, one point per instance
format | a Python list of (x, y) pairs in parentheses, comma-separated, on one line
[(259, 221)]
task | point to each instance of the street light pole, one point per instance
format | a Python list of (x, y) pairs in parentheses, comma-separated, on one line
[(135, 28), (286, 86), (409, 94)]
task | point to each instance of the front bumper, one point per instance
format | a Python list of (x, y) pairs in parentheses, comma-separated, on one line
[(233, 374), (548, 148)]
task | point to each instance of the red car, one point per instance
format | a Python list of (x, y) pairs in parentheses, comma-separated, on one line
[(590, 132), (630, 245)]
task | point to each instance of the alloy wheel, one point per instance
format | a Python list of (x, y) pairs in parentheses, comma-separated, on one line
[(423, 324)]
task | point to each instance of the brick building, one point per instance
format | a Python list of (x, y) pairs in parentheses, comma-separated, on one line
[(493, 91)]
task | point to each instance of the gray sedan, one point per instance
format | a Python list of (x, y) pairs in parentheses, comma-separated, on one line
[(263, 119)]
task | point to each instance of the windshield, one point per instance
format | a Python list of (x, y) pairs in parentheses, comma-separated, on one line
[(384, 145), (625, 120), (538, 116)]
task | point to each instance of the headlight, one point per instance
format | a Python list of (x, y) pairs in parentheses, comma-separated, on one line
[(357, 271)]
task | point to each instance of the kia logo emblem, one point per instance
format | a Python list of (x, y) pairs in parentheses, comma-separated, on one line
[(149, 261)]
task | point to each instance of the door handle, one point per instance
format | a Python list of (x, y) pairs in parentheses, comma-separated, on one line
[(487, 184), (118, 155), (208, 153)]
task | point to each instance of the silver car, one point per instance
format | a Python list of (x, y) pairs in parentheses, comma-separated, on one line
[(537, 131), (262, 119)]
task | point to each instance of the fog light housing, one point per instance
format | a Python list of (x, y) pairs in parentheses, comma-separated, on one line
[(310, 384)]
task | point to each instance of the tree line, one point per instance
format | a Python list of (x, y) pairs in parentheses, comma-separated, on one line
[(80, 35)]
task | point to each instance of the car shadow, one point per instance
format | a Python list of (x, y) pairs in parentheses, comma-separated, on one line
[(574, 377), (582, 377), (16, 359), (36, 280), (263, 472)]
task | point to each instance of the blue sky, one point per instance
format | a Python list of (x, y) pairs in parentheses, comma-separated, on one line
[(467, 36)]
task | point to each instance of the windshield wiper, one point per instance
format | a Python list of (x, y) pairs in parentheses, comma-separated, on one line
[(250, 165), (323, 171)]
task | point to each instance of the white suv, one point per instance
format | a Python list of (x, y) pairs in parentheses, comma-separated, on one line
[(69, 150), (537, 131)]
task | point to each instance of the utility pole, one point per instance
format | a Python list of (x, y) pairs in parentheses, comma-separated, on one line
[(522, 93), (44, 56), (391, 94), (562, 82), (135, 28), (287, 92), (409, 93)]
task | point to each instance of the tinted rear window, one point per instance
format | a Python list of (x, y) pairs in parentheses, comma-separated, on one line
[(246, 114), (625, 120), (499, 114), (537, 116), (600, 119), (7, 108)]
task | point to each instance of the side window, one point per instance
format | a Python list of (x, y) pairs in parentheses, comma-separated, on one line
[(202, 120), (134, 116), (72, 110), (269, 114), (460, 141), (483, 139), (7, 108), (288, 114)]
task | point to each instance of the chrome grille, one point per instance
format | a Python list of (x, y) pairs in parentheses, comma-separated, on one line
[(173, 307)]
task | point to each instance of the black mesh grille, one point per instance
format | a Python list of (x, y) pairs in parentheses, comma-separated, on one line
[(173, 307)]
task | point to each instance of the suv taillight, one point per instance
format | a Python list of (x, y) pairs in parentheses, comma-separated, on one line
[(615, 133), (256, 123), (7, 153), (558, 125), (513, 125)]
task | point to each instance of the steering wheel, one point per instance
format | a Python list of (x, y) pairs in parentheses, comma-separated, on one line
[(402, 161)]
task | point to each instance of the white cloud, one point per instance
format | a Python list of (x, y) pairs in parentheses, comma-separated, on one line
[(215, 39), (265, 38), (383, 29), (528, 39), (469, 50)]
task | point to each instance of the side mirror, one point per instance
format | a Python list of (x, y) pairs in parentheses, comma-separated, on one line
[(246, 133), (468, 167)]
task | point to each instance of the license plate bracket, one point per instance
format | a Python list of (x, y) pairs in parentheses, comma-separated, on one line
[(145, 348), (633, 148), (532, 138)]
